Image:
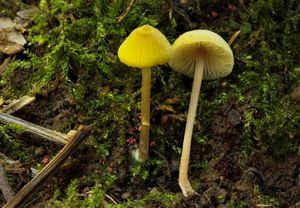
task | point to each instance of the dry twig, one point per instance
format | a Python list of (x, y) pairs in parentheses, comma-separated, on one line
[(111, 199), (32, 186), (17, 105), (35, 129), (7, 191), (235, 35), (125, 13)]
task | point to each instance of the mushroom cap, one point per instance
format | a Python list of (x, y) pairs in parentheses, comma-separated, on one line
[(145, 47), (204, 45)]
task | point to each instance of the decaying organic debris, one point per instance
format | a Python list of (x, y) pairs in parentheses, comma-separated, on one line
[(12, 40)]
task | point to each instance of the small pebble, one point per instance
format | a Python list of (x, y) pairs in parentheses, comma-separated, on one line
[(296, 94), (234, 117), (126, 195)]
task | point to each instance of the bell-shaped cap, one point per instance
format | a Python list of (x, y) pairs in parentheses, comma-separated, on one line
[(145, 47), (203, 45)]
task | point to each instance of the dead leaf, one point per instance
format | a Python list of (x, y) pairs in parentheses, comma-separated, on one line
[(15, 37), (11, 39), (167, 108), (24, 17), (179, 117), (172, 117), (5, 23), (172, 100), (28, 14), (10, 48)]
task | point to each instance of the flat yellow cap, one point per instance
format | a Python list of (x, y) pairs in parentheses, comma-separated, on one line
[(206, 45), (145, 47)]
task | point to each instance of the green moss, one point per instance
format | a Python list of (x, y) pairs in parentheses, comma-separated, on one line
[(240, 204), (150, 200), (73, 197), (14, 147), (263, 77), (97, 197)]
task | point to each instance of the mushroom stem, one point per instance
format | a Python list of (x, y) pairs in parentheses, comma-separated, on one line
[(184, 183), (145, 111)]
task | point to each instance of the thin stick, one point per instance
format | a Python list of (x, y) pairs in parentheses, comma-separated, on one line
[(184, 183), (111, 199), (124, 14), (235, 35), (17, 105), (45, 133), (29, 189), (7, 191), (145, 111)]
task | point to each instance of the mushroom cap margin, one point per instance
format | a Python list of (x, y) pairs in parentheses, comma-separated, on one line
[(216, 54)]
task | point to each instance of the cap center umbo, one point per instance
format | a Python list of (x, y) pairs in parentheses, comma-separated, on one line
[(200, 54), (145, 30)]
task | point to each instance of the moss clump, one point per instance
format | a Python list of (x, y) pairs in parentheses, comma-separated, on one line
[(263, 77), (97, 197), (13, 147)]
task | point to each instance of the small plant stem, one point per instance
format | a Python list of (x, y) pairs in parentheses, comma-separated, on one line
[(7, 191), (185, 155), (235, 35), (18, 104), (145, 111), (51, 135), (124, 14)]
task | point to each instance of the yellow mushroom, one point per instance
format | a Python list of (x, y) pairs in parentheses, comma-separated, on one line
[(201, 54), (143, 48)]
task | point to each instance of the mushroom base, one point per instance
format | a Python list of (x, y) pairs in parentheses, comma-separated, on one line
[(187, 189), (144, 143)]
